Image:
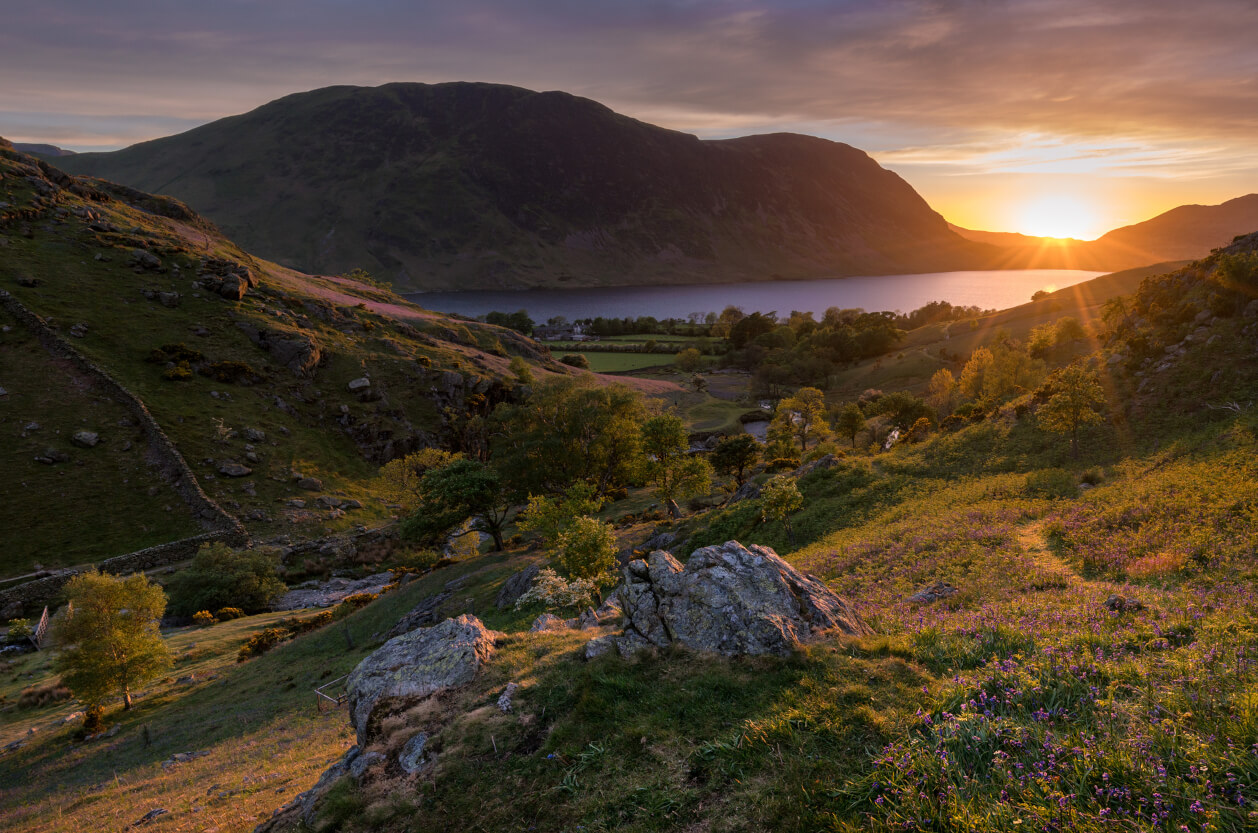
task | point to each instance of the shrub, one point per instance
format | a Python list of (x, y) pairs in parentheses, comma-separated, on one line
[(226, 614), (422, 561), (587, 550), (1051, 483), (220, 577), (576, 360), (178, 353), (231, 372), (37, 697), (351, 603), (203, 619), (20, 629), (553, 592), (179, 373), (261, 642)]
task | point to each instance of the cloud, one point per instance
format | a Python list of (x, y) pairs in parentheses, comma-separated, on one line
[(1153, 83)]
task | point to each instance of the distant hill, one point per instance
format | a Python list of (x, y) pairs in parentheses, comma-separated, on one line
[(50, 151), (1184, 233), (465, 185)]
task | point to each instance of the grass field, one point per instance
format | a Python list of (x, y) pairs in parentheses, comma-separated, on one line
[(621, 362)]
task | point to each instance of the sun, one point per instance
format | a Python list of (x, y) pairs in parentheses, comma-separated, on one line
[(1056, 215)]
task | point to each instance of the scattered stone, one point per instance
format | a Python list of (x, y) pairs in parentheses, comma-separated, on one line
[(730, 600), (28, 282), (412, 758), (85, 439), (234, 470), (516, 586), (933, 593), (79, 330), (31, 426), (361, 383), (149, 816), (170, 300), (600, 646), (332, 591), (504, 699), (416, 665), (1120, 604), (144, 259), (548, 622), (297, 503), (748, 491), (254, 435), (364, 762), (310, 484)]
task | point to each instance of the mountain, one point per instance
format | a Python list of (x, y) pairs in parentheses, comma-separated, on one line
[(49, 151), (207, 384), (1184, 233), (466, 186)]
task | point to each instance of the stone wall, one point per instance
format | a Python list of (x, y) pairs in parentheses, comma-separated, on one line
[(218, 523)]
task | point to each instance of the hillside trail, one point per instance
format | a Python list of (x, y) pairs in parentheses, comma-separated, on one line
[(1034, 543)]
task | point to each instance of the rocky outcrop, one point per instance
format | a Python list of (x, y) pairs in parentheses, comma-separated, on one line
[(416, 665), (729, 600), (516, 586), (933, 593), (300, 354), (331, 592), (421, 615)]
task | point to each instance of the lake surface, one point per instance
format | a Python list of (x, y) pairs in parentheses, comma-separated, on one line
[(989, 290)]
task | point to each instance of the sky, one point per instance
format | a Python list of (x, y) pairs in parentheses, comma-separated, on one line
[(1060, 117)]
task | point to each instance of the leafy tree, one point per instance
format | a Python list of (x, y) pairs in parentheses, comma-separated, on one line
[(399, 479), (518, 321), (993, 374), (587, 549), (675, 472), (455, 492), (805, 416), (222, 577), (942, 392), (1077, 399), (689, 360), (734, 455), (568, 431), (779, 499), (903, 409), (851, 421), (109, 636), (547, 517)]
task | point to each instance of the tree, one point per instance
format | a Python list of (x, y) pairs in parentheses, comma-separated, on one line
[(851, 421), (518, 321), (734, 455), (805, 415), (675, 473), (577, 360), (399, 479), (455, 492), (220, 576), (568, 430), (689, 360), (548, 517), (903, 409), (779, 499), (587, 549), (1077, 399), (942, 392), (109, 636)]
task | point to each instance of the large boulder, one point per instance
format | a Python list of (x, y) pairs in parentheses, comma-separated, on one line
[(729, 600), (516, 586), (416, 665)]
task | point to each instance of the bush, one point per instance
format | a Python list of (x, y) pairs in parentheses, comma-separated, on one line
[(203, 619), (576, 360), (179, 373), (226, 614), (553, 592), (20, 629), (231, 372), (261, 642), (221, 577), (37, 697)]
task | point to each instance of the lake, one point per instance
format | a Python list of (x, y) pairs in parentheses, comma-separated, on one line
[(989, 290)]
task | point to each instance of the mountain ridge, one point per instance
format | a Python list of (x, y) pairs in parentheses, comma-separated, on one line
[(470, 185)]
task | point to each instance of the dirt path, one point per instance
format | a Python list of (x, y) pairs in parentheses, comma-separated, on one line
[(1035, 544)]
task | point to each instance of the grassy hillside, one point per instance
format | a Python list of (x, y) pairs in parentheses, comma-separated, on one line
[(465, 186), (1030, 699), (260, 380)]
